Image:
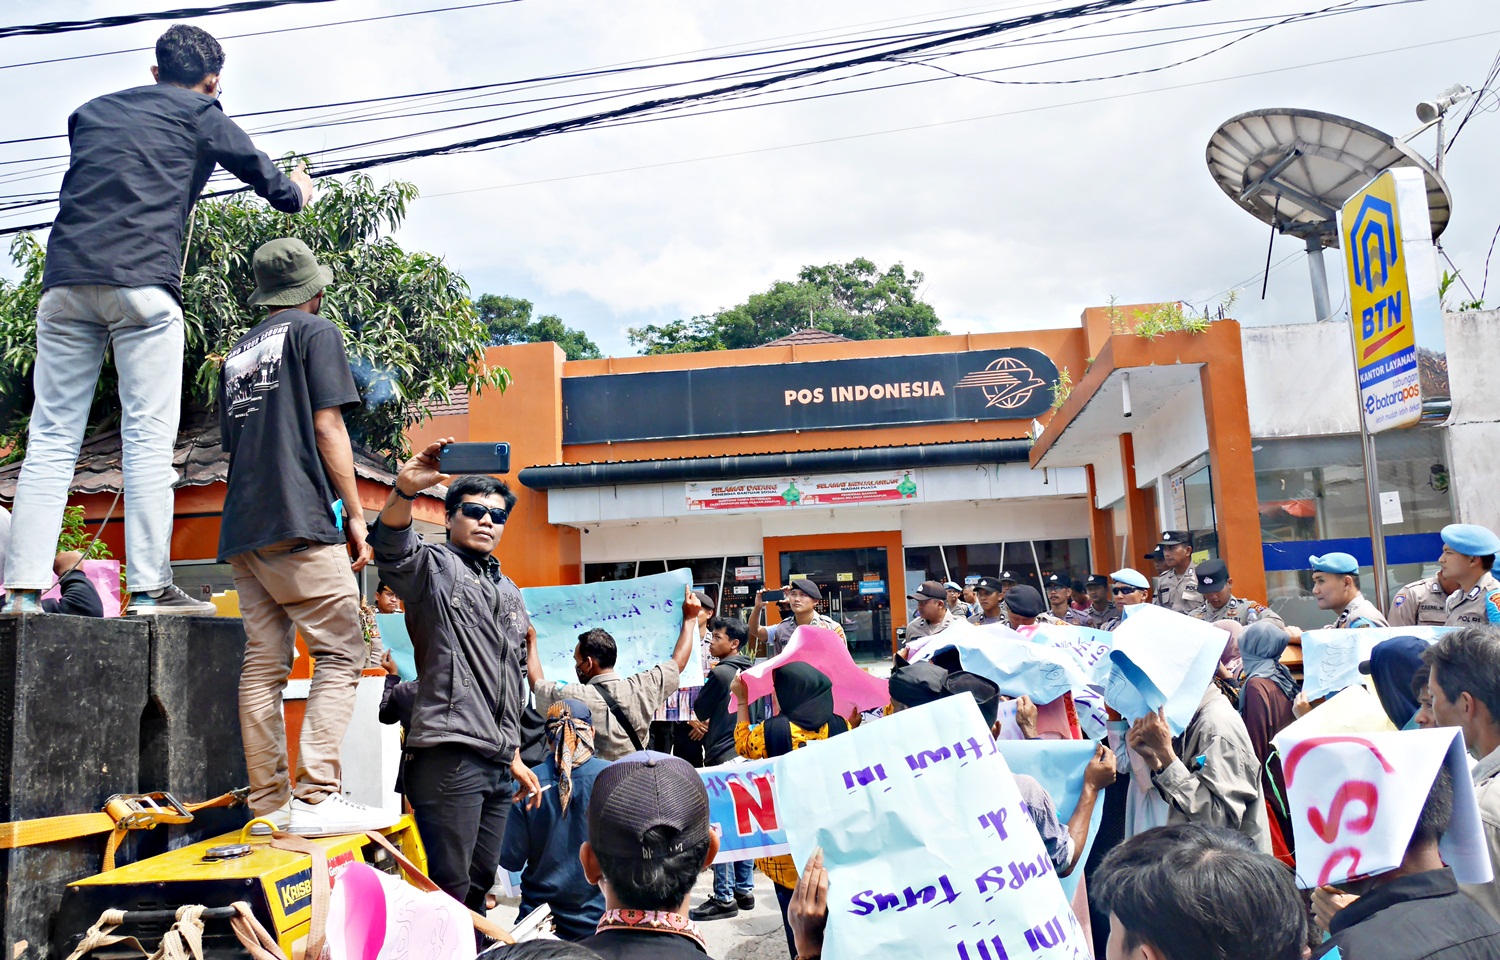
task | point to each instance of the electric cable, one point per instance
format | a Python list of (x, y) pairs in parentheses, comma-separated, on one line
[(182, 13)]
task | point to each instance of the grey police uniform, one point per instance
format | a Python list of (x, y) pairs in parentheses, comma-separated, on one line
[(1241, 611), (1178, 591), (980, 620), (1474, 605), (1360, 613), (1095, 618), (1421, 603), (1078, 618)]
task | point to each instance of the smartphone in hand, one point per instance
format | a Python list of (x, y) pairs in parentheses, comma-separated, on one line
[(474, 458)]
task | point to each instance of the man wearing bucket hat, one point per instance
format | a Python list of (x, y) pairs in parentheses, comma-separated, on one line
[(283, 391), (1336, 587), (1468, 557)]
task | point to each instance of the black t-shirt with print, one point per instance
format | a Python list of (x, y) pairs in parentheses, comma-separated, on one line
[(273, 379)]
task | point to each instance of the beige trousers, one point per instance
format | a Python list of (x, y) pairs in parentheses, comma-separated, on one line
[(285, 588)]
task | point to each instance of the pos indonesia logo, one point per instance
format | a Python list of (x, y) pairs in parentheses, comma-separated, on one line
[(1007, 383)]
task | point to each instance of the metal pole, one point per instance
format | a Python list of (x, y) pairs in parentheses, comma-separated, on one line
[(1319, 274), (1372, 492), (1437, 161)]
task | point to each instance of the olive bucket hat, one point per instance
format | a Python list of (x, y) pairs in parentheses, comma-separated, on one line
[(287, 274)]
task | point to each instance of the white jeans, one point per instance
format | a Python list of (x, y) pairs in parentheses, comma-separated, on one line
[(74, 325)]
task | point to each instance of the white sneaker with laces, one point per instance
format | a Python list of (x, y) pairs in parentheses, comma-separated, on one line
[(336, 814), (281, 817)]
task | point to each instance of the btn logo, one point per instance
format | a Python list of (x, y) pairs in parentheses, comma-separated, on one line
[(1007, 383), (1372, 242)]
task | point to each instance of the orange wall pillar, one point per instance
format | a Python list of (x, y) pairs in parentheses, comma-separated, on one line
[(528, 416), (1141, 533), (1232, 472), (1101, 530)]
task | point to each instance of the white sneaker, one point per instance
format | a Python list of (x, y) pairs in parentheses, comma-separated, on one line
[(281, 817), (336, 814)]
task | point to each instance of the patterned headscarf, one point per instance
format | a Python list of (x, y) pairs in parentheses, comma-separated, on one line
[(570, 731)]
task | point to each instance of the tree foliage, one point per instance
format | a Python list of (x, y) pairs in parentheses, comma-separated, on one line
[(853, 299), (509, 320), (411, 332)]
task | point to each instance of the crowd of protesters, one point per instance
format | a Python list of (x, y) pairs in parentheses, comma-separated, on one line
[(503, 767)]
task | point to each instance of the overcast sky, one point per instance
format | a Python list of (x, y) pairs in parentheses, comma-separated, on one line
[(1021, 204)]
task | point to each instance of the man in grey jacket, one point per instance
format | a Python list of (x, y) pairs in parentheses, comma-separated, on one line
[(468, 628)]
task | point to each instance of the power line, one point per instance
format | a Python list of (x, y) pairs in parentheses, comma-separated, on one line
[(184, 13)]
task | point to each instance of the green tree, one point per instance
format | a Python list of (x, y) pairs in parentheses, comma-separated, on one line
[(509, 320), (853, 299), (411, 332)]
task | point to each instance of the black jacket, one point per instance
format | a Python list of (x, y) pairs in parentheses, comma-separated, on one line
[(468, 630), (713, 705), (1416, 917), (140, 157), (79, 598)]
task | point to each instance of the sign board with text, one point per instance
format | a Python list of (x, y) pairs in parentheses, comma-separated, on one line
[(780, 493), (1386, 232)]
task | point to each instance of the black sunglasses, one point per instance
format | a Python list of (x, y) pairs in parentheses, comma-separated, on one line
[(1123, 590), (476, 511)]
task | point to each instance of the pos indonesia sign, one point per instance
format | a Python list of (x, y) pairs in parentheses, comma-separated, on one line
[(1387, 238)]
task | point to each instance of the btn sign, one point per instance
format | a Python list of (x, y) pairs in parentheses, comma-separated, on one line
[(1382, 259)]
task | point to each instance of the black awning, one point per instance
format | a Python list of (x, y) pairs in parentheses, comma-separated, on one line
[(562, 476)]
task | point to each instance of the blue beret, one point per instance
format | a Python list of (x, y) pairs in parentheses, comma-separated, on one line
[(1131, 578), (1471, 540), (1341, 563)]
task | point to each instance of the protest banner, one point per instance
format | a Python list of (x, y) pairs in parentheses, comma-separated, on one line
[(104, 576), (1353, 709), (928, 849), (742, 810), (853, 688), (644, 615), (1331, 658), (1058, 766), (1090, 650), (393, 637), (1355, 799), (1022, 667), (1162, 658)]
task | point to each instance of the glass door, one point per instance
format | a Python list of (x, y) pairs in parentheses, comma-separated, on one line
[(856, 592)]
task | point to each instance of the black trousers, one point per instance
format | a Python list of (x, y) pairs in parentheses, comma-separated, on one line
[(460, 800)]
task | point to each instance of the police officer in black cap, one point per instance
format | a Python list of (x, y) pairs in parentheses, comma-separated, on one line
[(989, 590), (1177, 586), (1059, 591), (1102, 608), (1220, 603)]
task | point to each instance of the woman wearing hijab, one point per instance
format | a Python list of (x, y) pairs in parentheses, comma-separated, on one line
[(545, 840), (804, 696), (1266, 694), (1393, 664)]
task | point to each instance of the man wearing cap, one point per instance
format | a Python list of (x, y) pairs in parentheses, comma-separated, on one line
[(1102, 609), (991, 610), (1129, 587), (932, 616), (1158, 561), (1468, 556), (649, 839), (283, 391), (1177, 587), (1024, 607), (1219, 601), (1059, 592), (113, 279), (1336, 587), (622, 706), (956, 605), (802, 597), (1422, 603), (915, 684)]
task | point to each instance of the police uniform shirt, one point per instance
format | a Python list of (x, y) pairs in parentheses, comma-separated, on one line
[(1178, 591), (1096, 618), (980, 620), (1047, 616), (1244, 612), (919, 627), (1479, 604), (1360, 613), (1078, 618), (1421, 603)]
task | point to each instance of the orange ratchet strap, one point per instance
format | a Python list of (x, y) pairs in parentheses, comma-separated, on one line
[(122, 812)]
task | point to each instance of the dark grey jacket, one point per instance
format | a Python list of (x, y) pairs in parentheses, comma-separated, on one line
[(468, 628), (712, 705)]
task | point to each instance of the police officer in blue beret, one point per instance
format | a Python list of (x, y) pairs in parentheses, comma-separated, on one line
[(1336, 587), (1468, 556)]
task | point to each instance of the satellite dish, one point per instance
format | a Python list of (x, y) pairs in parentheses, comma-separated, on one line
[(1294, 169)]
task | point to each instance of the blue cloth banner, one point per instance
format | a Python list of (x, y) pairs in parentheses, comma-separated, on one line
[(742, 810), (1163, 659), (1058, 766), (393, 637), (928, 849), (1020, 666), (1331, 658), (644, 615)]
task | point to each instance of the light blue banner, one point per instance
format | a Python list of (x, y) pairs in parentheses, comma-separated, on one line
[(928, 848), (1331, 658), (1058, 766), (393, 637), (644, 615), (742, 810), (1163, 659), (1021, 667), (1090, 650)]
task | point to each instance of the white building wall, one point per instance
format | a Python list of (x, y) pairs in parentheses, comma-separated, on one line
[(1176, 433), (993, 522), (1473, 343), (1109, 478), (1299, 380)]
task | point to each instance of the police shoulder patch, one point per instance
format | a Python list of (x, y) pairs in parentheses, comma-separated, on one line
[(1400, 599)]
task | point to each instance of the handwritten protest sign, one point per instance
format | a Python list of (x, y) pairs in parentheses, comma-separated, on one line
[(1058, 766), (929, 852), (1020, 666), (644, 615), (1090, 650), (393, 637), (742, 810), (1163, 659), (852, 687), (1355, 799), (1331, 658)]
